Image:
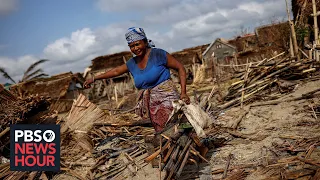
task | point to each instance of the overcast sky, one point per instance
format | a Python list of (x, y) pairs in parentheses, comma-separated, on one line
[(71, 33)]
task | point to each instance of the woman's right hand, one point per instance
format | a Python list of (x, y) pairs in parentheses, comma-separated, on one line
[(87, 83)]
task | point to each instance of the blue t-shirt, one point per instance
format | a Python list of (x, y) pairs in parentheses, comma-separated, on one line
[(155, 72)]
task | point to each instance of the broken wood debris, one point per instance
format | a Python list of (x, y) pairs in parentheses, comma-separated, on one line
[(265, 78)]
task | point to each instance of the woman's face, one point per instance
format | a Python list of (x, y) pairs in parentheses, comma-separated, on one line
[(138, 47)]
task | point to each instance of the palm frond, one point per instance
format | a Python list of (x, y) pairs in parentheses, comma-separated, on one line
[(6, 75), (32, 74), (32, 66), (39, 76)]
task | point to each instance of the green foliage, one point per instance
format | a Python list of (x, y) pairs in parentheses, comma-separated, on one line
[(301, 33)]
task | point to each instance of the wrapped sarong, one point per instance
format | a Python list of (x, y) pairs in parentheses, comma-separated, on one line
[(156, 103)]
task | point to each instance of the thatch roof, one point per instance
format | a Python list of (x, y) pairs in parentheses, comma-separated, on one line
[(186, 55), (110, 61), (5, 95), (245, 42), (55, 86), (276, 34)]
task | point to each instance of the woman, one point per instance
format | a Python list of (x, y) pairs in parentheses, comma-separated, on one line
[(150, 70)]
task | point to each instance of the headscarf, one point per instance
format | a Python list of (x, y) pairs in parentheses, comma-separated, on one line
[(135, 34)]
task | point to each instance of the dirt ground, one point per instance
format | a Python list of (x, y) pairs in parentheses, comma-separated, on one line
[(268, 125)]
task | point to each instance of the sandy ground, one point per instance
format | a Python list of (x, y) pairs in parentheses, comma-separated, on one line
[(268, 125)]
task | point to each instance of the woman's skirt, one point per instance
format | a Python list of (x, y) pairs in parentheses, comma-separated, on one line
[(156, 103)]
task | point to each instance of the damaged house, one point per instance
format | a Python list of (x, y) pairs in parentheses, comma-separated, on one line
[(62, 89), (220, 49), (191, 58), (112, 87)]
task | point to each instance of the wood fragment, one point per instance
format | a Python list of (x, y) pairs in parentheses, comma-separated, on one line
[(314, 113), (317, 175), (133, 123), (155, 154), (160, 162), (237, 121), (227, 167), (184, 161), (196, 153), (308, 161), (4, 132), (32, 175), (72, 172), (245, 82)]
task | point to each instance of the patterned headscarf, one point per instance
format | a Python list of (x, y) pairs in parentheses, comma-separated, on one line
[(135, 34)]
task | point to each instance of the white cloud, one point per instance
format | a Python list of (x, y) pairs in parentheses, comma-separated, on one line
[(132, 5), (80, 44), (15, 67), (8, 6)]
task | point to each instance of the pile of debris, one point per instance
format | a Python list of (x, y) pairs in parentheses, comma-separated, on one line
[(118, 146), (268, 79), (29, 110), (32, 109)]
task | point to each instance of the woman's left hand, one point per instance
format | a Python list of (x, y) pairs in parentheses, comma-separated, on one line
[(185, 98)]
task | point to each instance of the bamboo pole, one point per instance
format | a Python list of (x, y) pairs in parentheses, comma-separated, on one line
[(125, 61), (315, 21), (291, 48), (244, 82), (116, 93), (4, 131), (293, 33)]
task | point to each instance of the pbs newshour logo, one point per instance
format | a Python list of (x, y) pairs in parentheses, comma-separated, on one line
[(34, 147)]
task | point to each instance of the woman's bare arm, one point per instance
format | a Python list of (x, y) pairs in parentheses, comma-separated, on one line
[(109, 74)]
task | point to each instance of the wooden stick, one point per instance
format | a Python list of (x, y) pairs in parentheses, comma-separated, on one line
[(308, 161), (169, 153), (244, 82), (227, 167), (32, 175), (314, 113), (182, 164), (237, 122), (315, 21), (160, 158), (133, 123), (4, 132), (155, 154), (293, 33), (182, 154), (310, 151), (196, 153), (306, 55)]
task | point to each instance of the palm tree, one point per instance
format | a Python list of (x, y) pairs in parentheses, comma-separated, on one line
[(35, 74), (28, 74), (6, 75)]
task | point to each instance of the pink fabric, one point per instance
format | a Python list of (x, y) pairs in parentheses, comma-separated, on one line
[(156, 103)]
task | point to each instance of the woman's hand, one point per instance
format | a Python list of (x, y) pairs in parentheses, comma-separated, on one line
[(87, 83), (185, 98)]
